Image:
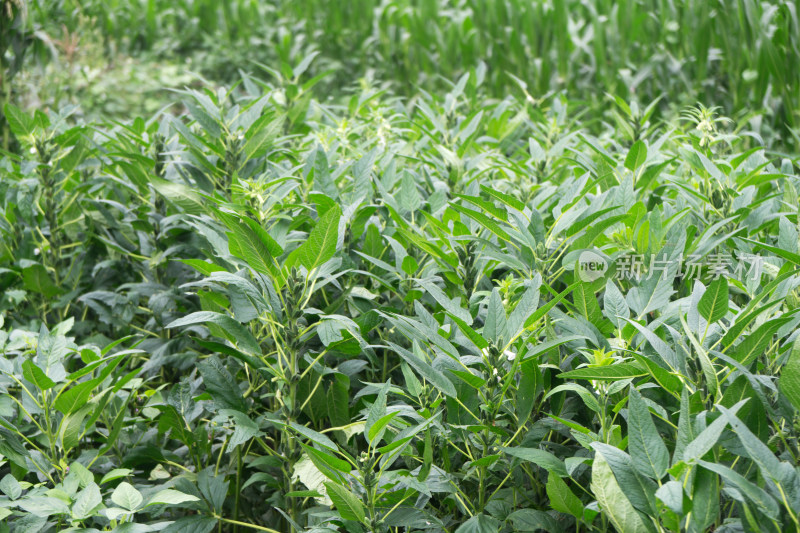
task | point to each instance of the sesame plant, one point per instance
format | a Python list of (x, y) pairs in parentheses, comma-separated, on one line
[(274, 307)]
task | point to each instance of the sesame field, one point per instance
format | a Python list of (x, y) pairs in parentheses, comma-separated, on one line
[(400, 266)]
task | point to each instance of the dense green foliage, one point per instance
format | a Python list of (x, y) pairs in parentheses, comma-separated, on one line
[(442, 298), (743, 55)]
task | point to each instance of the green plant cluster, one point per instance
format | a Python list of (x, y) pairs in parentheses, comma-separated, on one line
[(281, 313), (743, 55)]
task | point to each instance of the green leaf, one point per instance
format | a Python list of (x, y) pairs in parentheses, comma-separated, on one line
[(484, 221), (35, 278), (191, 524), (19, 122), (313, 436), (376, 412), (615, 308), (10, 487), (637, 155), (639, 490), (588, 398), (612, 501), (495, 326), (431, 375), (126, 496), (86, 502), (43, 506), (247, 240), (528, 389), (671, 493), (75, 397), (36, 375), (235, 331), (789, 382), (562, 499), (705, 501), (348, 505), (780, 252), (479, 523), (543, 310), (543, 347), (707, 438), (754, 344), (115, 474), (752, 492), (648, 451), (543, 458), (261, 135), (323, 460), (321, 243), (221, 385), (376, 431), (713, 304), (615, 371), (476, 382)]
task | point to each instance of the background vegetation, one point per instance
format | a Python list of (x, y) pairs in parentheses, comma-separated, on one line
[(316, 266)]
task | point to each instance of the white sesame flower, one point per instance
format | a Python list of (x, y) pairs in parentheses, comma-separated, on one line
[(509, 355)]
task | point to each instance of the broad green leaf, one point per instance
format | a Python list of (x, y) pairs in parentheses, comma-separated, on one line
[(648, 451), (324, 461), (789, 381), (221, 385), (192, 524), (495, 326), (613, 502), (542, 458), (705, 501), (377, 430), (347, 503), (126, 496), (261, 134), (115, 474), (321, 243), (86, 502), (562, 499), (171, 497), (756, 342), (615, 371), (313, 436), (36, 375), (588, 398), (615, 308), (639, 490), (247, 240), (752, 492), (377, 411), (713, 304), (707, 438), (543, 347), (637, 155), (19, 122), (671, 494), (431, 375), (10, 487), (235, 331), (476, 382)]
